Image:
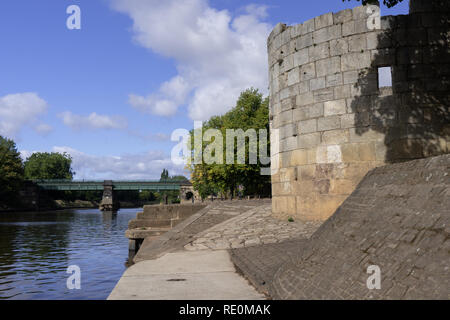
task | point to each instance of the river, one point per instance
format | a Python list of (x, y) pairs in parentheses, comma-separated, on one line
[(36, 248)]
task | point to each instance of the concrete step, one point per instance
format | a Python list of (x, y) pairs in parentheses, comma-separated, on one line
[(155, 223), (142, 233), (174, 211)]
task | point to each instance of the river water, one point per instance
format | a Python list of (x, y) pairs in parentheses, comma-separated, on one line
[(37, 248)]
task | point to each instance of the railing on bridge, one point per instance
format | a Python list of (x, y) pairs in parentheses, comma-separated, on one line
[(92, 185)]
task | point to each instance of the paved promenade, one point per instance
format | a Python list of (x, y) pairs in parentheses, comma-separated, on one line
[(397, 221), (251, 228), (196, 259), (201, 275)]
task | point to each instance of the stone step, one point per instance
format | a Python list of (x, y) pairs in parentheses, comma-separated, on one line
[(169, 211), (142, 233), (156, 223)]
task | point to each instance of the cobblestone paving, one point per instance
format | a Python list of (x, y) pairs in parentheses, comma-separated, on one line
[(252, 228), (175, 240)]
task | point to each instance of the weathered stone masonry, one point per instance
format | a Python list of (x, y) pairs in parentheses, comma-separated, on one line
[(335, 123)]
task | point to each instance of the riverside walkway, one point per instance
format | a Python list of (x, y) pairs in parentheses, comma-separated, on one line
[(199, 258), (397, 221)]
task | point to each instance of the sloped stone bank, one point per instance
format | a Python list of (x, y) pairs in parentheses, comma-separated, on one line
[(398, 219)]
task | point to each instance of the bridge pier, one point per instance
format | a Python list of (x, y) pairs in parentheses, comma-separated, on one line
[(108, 203)]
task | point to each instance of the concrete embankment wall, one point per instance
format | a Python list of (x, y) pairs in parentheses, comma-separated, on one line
[(155, 220), (398, 219), (335, 122), (174, 211)]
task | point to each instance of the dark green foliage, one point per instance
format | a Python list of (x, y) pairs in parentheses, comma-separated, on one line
[(173, 196), (178, 178), (147, 195), (387, 3), (164, 175), (251, 112), (44, 165), (11, 171)]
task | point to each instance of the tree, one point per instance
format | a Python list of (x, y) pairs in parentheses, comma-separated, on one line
[(164, 175), (178, 178), (251, 112), (387, 3), (172, 196), (147, 195), (11, 170), (44, 165), (203, 182)]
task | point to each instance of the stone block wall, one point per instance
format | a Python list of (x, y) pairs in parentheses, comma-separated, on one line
[(187, 192), (398, 219), (334, 121)]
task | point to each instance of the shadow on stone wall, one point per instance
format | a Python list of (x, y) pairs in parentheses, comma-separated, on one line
[(413, 114)]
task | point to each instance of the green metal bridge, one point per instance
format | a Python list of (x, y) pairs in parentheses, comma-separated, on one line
[(93, 185)]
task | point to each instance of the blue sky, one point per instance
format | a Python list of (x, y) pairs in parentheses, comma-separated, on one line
[(111, 93)]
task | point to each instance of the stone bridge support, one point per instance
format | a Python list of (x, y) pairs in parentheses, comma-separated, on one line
[(108, 203)]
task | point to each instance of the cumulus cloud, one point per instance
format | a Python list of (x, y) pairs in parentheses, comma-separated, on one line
[(20, 110), (93, 121), (217, 54), (164, 103), (43, 128), (128, 166)]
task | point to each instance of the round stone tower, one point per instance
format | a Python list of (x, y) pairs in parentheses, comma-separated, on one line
[(350, 91)]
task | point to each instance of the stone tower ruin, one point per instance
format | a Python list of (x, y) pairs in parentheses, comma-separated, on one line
[(350, 91)]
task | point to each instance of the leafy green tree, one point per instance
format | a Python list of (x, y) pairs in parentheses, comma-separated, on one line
[(147, 195), (44, 165), (11, 170), (251, 112), (172, 196), (178, 178), (387, 3)]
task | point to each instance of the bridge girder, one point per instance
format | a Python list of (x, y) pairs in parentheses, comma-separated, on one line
[(62, 185)]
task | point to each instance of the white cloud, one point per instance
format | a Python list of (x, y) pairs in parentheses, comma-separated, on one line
[(165, 103), (158, 137), (128, 166), (43, 128), (24, 154), (20, 110), (93, 121), (217, 55)]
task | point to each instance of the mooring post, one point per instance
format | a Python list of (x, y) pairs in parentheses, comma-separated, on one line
[(132, 245)]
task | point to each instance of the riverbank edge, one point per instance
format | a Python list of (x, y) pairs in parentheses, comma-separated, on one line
[(78, 204)]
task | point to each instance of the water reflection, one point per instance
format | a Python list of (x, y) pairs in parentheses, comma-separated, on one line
[(37, 248)]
